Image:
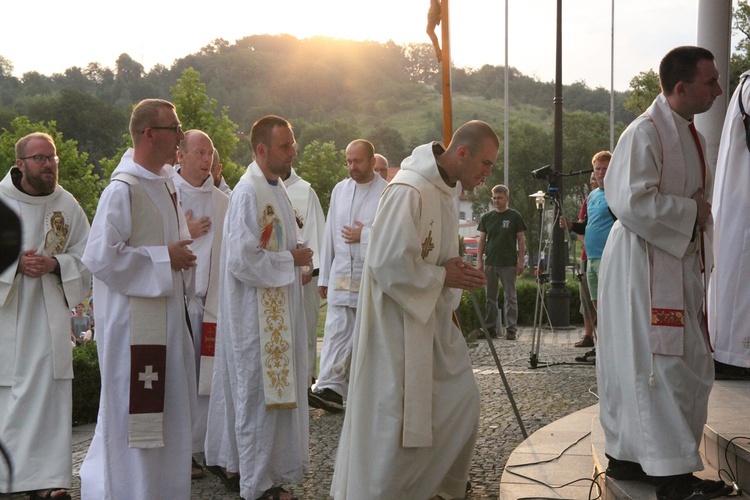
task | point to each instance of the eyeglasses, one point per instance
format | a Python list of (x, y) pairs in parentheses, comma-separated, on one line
[(174, 128), (42, 159)]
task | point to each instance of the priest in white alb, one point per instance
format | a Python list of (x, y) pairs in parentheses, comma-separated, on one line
[(654, 366), (413, 404), (258, 415), (204, 206), (311, 222), (354, 202), (728, 300), (36, 296), (138, 252)]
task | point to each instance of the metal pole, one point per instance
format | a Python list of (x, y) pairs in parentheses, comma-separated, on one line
[(506, 139), (558, 296), (446, 70), (612, 84), (497, 362)]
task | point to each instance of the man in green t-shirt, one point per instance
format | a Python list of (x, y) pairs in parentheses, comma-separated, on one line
[(500, 254)]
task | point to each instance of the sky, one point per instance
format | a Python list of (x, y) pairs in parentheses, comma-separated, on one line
[(153, 32)]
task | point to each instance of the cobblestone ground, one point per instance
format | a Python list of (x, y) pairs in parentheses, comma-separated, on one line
[(543, 395)]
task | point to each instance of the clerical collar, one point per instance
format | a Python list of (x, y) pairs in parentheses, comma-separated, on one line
[(437, 150)]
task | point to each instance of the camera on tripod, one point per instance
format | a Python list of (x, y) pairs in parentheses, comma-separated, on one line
[(546, 173)]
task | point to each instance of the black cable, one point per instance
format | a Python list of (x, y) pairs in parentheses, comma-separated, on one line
[(553, 487), (730, 472)]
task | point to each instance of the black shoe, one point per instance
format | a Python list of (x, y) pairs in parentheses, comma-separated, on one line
[(724, 371), (625, 470), (589, 357), (510, 336), (493, 332), (326, 399), (689, 487)]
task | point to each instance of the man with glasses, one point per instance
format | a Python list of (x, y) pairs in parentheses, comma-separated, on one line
[(142, 265), (36, 297)]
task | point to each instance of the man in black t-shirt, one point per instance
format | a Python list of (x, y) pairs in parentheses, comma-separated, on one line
[(500, 256)]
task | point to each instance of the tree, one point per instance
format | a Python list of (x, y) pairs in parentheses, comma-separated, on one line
[(644, 87), (198, 111), (339, 132), (75, 172), (323, 166), (389, 143), (6, 66)]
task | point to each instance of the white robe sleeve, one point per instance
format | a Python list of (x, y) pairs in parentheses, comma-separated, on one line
[(395, 255), (131, 271), (245, 259), (666, 221), (327, 246)]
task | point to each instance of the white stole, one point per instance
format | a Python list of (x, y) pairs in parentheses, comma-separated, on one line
[(148, 329), (667, 300), (274, 318), (211, 306)]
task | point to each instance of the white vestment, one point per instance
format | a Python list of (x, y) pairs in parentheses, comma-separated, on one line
[(112, 469), (266, 447), (310, 214), (728, 298), (35, 354), (204, 201), (341, 271), (657, 424), (413, 404)]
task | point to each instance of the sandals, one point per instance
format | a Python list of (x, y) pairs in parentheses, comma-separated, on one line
[(586, 341), (232, 483), (196, 471), (275, 493)]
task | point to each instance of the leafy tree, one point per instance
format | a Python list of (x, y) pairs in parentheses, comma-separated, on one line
[(389, 143), (423, 66), (6, 66), (75, 172), (94, 124), (337, 131), (323, 166), (198, 111), (644, 87)]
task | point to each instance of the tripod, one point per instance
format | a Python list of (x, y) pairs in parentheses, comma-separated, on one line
[(542, 275)]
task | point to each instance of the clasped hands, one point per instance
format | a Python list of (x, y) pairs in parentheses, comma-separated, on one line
[(460, 274), (35, 265)]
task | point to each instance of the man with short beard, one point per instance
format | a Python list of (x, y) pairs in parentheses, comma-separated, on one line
[(36, 366), (142, 265), (354, 202), (258, 416)]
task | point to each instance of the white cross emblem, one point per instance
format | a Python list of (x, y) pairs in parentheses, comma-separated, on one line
[(148, 377)]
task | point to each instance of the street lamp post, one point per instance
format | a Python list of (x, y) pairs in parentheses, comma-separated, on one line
[(558, 296)]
